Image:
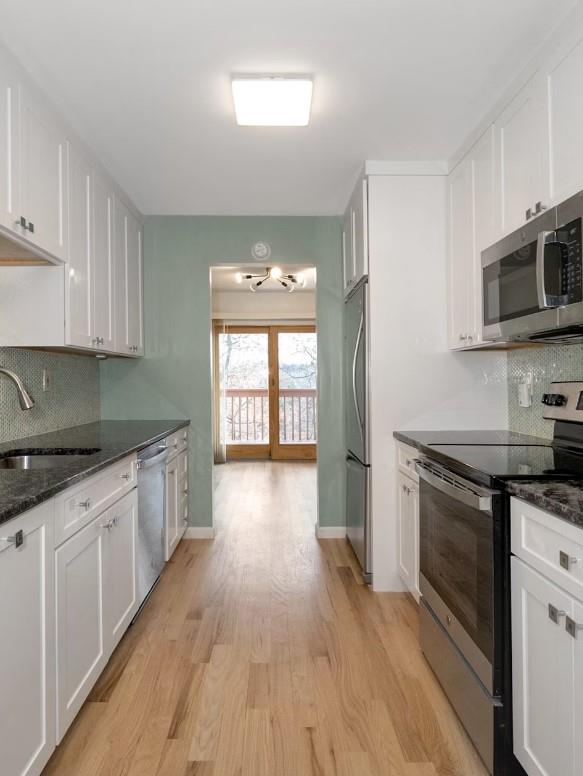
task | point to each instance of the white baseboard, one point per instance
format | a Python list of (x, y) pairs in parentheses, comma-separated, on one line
[(331, 532), (199, 532)]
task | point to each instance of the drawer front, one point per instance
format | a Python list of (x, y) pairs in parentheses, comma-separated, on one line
[(177, 442), (77, 506), (406, 460), (548, 544)]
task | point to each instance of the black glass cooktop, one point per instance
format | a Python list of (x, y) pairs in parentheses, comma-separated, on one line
[(514, 461)]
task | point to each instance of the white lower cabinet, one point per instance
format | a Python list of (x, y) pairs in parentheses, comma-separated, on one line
[(96, 600), (27, 651), (542, 667), (408, 518), (547, 644), (176, 500)]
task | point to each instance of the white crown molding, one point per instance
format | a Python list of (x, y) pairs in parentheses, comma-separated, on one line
[(199, 532), (331, 532)]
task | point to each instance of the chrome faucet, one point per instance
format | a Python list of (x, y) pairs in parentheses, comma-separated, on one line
[(25, 399)]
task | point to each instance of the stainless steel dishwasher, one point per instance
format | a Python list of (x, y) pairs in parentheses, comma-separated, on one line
[(151, 508)]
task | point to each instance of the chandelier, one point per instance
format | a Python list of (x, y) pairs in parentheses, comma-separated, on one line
[(289, 281)]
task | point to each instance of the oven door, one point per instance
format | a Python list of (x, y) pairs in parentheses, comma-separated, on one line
[(457, 562), (521, 282)]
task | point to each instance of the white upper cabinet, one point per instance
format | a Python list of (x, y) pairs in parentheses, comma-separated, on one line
[(128, 282), (102, 265), (42, 176), (355, 237), (564, 80), (522, 156), (8, 148), (461, 255), (79, 275)]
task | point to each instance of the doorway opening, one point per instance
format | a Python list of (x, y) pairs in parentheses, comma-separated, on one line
[(267, 403)]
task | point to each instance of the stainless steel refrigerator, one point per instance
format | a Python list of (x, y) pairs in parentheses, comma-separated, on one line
[(358, 529)]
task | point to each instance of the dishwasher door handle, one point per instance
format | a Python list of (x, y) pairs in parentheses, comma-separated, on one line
[(146, 463)]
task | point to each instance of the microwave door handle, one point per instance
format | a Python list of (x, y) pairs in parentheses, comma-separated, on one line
[(544, 302)]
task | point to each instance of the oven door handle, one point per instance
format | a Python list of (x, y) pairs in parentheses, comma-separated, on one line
[(457, 488)]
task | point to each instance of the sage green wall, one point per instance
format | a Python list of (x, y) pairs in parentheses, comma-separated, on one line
[(173, 380)]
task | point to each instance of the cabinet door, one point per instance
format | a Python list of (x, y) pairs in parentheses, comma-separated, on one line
[(128, 288), (482, 156), (9, 152), (360, 230), (408, 513), (523, 155), (347, 250), (461, 255), (578, 690), (120, 568), (102, 266), (172, 508), (79, 276), (81, 643), (43, 176), (565, 76), (134, 287), (27, 690), (182, 493), (542, 674)]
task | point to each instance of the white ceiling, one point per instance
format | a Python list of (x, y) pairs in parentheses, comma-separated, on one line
[(224, 278), (147, 84)]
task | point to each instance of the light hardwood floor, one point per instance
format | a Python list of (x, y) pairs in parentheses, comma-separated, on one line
[(261, 654)]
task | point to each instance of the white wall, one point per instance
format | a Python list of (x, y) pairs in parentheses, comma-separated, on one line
[(416, 383), (266, 305)]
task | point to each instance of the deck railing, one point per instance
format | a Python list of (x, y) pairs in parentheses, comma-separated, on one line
[(247, 415)]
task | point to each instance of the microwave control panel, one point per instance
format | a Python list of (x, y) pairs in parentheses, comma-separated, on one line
[(569, 238)]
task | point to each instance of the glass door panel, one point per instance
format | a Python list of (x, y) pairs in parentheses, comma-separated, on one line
[(244, 388)]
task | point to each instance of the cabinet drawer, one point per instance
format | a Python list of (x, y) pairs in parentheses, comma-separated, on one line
[(177, 442), (77, 506), (548, 544), (406, 460)]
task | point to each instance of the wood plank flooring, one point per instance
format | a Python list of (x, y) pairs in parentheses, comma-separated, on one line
[(262, 654)]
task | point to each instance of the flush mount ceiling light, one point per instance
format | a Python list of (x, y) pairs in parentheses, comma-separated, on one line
[(287, 281), (272, 101)]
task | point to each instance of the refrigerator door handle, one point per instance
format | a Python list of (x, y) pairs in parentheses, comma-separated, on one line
[(354, 396)]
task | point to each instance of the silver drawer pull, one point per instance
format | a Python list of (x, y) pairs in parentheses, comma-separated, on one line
[(126, 476), (108, 525), (85, 504), (17, 540), (115, 521), (566, 560), (555, 614), (572, 627)]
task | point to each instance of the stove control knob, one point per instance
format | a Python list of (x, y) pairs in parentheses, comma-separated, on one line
[(554, 399)]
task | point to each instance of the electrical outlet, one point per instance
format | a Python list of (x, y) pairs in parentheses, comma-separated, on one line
[(47, 380)]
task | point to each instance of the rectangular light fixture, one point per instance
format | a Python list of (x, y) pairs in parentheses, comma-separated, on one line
[(272, 101)]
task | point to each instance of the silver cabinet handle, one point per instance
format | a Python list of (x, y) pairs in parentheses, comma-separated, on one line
[(95, 341), (115, 521), (529, 214), (21, 222), (17, 540), (566, 560), (539, 208), (572, 627), (555, 614), (108, 525), (85, 504), (463, 337), (125, 476)]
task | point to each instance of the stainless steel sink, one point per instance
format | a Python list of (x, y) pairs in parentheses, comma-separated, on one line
[(23, 460)]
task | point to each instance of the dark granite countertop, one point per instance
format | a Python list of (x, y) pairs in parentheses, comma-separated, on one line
[(424, 440), (564, 498), (22, 490)]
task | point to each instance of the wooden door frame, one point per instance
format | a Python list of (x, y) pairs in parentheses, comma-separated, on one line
[(273, 450)]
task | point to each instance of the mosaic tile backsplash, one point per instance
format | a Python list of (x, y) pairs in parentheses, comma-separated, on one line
[(73, 397), (547, 363)]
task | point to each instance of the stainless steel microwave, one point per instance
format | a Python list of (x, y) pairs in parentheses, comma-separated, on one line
[(532, 280)]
